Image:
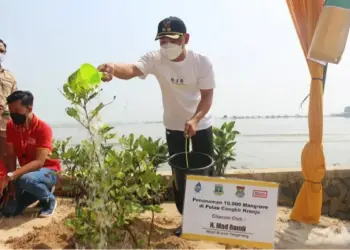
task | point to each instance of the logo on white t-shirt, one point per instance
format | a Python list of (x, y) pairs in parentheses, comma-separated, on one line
[(177, 81)]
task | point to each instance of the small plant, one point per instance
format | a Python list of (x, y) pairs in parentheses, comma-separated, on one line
[(224, 142), (155, 151), (112, 187)]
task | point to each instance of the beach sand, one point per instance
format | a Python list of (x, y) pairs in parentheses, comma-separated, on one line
[(36, 233), (23, 225)]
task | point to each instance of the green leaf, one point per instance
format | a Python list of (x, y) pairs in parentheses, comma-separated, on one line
[(92, 96), (223, 126), (131, 139), (67, 93), (156, 209), (93, 216), (96, 111), (141, 191), (72, 112), (230, 137), (120, 175), (105, 129), (69, 223), (110, 136), (136, 144), (220, 133), (133, 188), (229, 146), (112, 193), (229, 127), (80, 230), (118, 183)]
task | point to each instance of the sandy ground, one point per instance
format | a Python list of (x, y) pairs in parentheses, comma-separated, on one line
[(28, 231), (25, 224)]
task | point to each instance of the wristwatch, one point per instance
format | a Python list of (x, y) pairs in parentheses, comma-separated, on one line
[(10, 175)]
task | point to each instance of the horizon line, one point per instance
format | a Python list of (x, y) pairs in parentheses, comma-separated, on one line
[(224, 117)]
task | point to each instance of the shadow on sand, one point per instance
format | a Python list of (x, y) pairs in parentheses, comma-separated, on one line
[(29, 214), (303, 236)]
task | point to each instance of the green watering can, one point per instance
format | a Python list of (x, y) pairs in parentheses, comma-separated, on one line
[(86, 76)]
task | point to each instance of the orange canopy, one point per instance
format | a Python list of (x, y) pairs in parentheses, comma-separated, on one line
[(308, 205)]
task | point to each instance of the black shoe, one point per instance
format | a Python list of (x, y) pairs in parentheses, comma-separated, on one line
[(9, 210), (25, 200), (178, 231)]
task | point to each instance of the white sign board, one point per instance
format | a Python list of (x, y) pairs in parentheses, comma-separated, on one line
[(230, 211)]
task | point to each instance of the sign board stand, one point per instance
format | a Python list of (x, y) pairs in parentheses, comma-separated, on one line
[(230, 211)]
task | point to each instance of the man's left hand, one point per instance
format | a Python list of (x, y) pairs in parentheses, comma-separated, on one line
[(7, 197), (11, 191), (191, 127), (3, 185)]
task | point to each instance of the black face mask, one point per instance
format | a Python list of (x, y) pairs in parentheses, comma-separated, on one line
[(18, 119)]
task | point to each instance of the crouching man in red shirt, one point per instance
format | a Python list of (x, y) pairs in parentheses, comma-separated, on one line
[(29, 140)]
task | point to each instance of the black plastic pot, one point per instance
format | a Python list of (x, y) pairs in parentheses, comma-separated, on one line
[(199, 164)]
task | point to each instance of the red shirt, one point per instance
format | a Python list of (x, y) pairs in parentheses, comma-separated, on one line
[(3, 170), (27, 141)]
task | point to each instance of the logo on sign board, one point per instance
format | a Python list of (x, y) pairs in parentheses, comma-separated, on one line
[(218, 189), (240, 191), (260, 193), (198, 187)]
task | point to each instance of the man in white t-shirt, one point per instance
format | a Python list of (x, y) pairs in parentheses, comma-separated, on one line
[(186, 80)]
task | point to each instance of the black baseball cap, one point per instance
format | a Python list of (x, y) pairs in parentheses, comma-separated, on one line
[(172, 27)]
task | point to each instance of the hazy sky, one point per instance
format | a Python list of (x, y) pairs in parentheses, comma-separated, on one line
[(257, 58)]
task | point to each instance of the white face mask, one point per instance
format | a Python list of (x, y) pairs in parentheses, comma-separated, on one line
[(2, 57), (171, 51)]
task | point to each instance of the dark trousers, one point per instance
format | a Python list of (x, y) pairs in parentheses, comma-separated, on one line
[(201, 142)]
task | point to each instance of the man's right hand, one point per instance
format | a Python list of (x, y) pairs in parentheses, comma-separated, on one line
[(107, 70)]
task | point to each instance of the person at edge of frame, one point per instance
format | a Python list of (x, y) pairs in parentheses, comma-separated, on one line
[(8, 85)]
